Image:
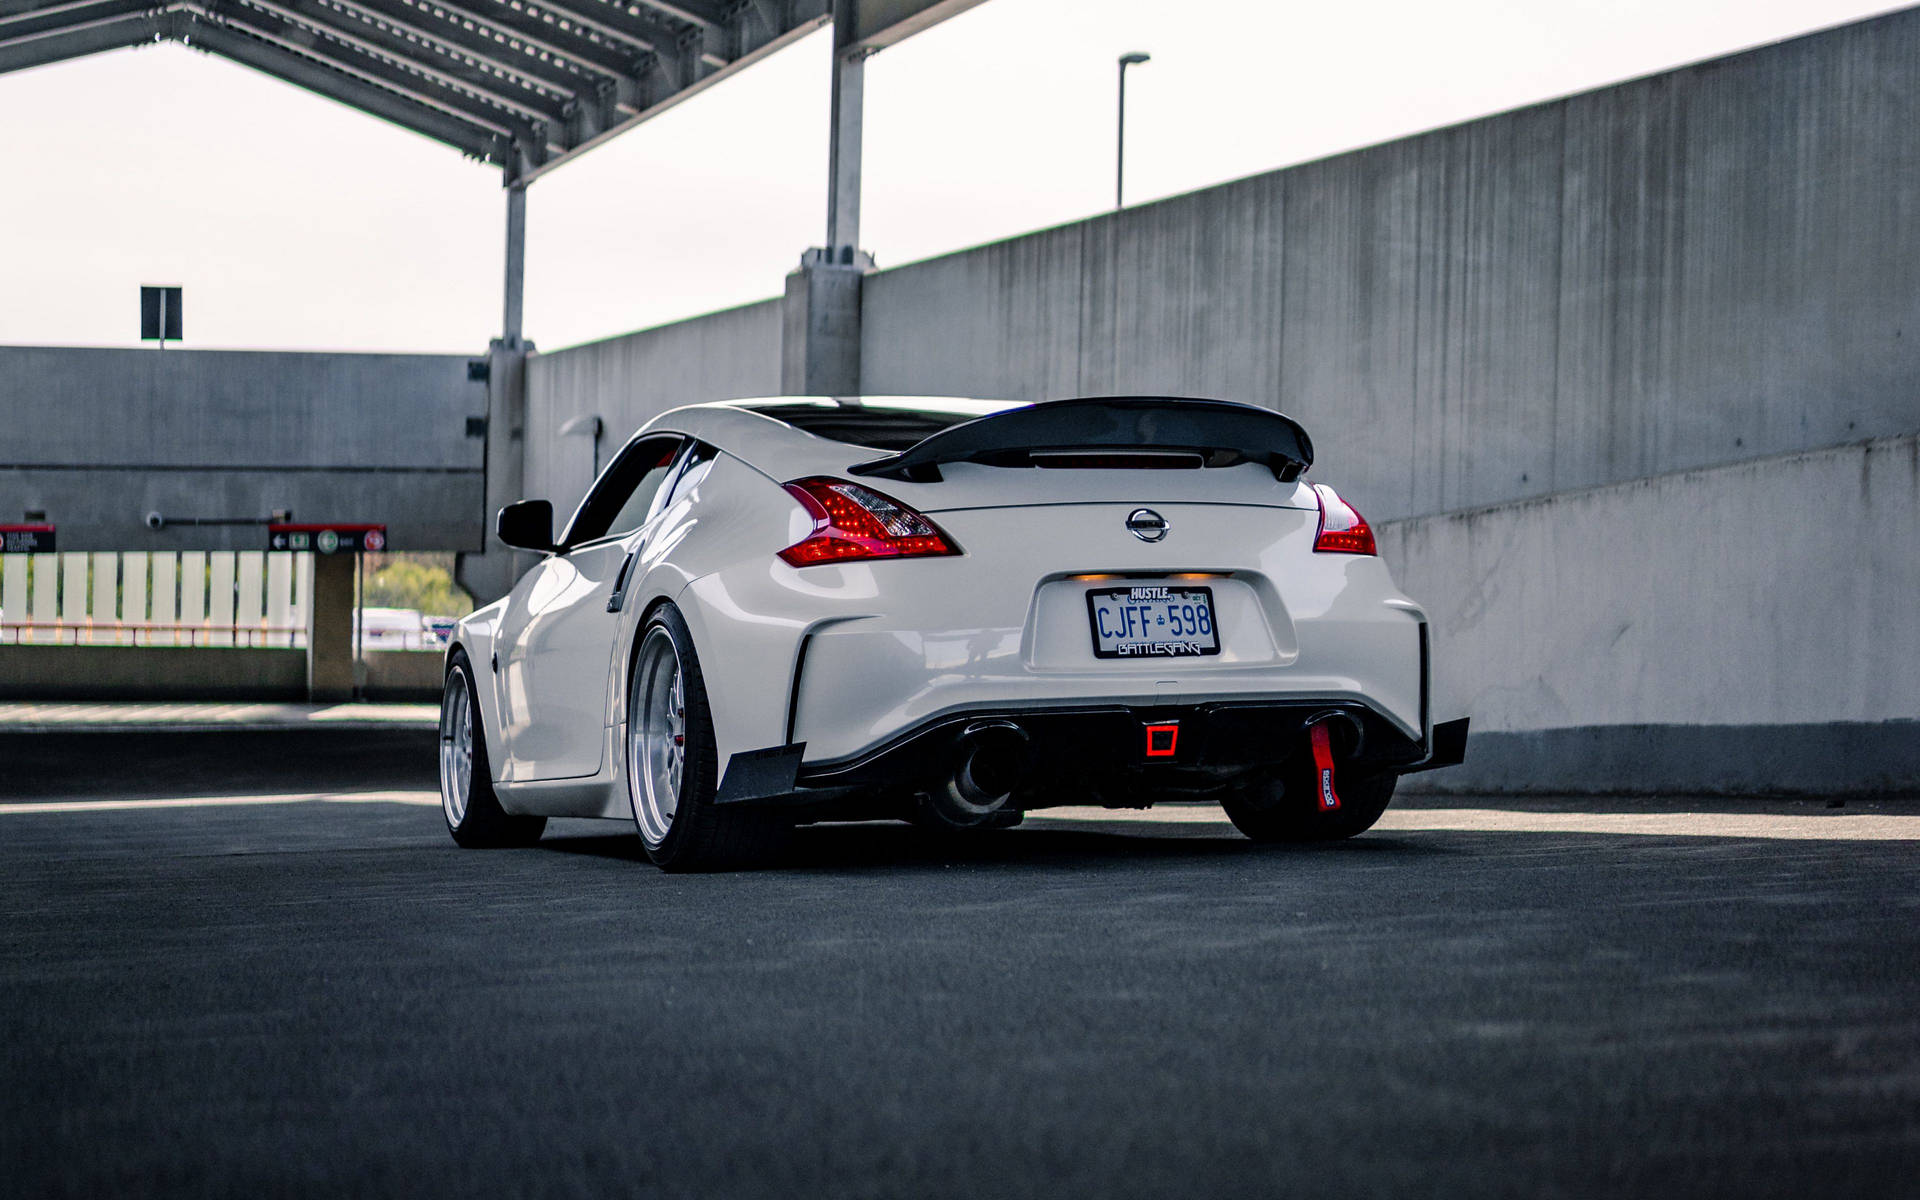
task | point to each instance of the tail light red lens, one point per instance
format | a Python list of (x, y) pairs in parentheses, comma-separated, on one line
[(1342, 529), (853, 522)]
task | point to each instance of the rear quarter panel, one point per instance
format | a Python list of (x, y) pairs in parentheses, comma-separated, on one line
[(714, 556)]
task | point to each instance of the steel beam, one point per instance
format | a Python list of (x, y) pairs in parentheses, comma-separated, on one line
[(616, 58), (603, 20), (877, 24), (40, 49), (547, 74), (537, 101), (371, 69), (516, 281), (704, 16), (772, 13), (366, 55), (409, 112), (843, 142), (454, 34), (412, 41), (54, 18), (611, 20), (14, 8), (552, 77), (643, 109)]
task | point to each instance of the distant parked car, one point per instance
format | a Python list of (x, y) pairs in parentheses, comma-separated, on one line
[(393, 629), (776, 611)]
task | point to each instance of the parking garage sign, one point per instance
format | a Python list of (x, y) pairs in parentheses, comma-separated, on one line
[(26, 539), (328, 538)]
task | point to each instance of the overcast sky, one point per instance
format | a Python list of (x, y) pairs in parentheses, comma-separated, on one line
[(295, 222)]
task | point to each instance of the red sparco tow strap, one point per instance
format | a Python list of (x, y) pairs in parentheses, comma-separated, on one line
[(1323, 767)]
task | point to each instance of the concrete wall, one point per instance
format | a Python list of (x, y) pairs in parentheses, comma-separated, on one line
[(629, 380), (1694, 268), (201, 673), (99, 438), (1683, 270), (1743, 628)]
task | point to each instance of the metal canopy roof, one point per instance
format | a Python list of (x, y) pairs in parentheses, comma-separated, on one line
[(523, 84)]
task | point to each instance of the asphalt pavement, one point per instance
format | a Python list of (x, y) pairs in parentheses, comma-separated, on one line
[(307, 989)]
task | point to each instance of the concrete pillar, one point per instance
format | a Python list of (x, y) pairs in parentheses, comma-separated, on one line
[(820, 332), (820, 327), (330, 630), (488, 573)]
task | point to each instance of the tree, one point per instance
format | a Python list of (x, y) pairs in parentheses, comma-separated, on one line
[(404, 581)]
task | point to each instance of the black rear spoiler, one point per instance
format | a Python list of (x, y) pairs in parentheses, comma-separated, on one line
[(1221, 433)]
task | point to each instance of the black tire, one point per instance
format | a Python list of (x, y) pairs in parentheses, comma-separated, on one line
[(697, 835), (479, 822), (1286, 808)]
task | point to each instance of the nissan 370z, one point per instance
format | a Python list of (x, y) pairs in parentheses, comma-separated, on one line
[(772, 612)]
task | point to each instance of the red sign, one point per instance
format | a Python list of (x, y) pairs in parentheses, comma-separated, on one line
[(329, 537), (26, 539)]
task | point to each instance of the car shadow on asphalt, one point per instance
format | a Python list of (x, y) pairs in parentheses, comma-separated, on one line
[(881, 844)]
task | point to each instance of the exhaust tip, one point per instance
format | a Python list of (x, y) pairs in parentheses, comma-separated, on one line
[(990, 760), (1348, 734)]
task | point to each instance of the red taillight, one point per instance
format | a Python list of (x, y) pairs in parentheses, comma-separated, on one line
[(852, 522), (1342, 529)]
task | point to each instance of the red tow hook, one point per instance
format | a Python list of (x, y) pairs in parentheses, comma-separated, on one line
[(1323, 766)]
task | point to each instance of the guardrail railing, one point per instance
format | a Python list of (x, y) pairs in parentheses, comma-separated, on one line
[(121, 633), (155, 598)]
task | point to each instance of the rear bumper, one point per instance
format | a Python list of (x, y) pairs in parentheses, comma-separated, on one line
[(853, 659), (1105, 748)]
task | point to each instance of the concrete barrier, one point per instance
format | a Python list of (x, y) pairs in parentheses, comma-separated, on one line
[(1747, 628), (157, 673), (200, 673), (404, 675)]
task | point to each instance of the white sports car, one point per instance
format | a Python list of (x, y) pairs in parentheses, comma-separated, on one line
[(768, 612)]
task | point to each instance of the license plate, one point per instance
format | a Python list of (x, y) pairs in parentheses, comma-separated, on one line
[(1152, 621)]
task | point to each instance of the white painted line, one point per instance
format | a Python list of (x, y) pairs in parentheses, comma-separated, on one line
[(378, 714), (425, 799), (1837, 826), (1831, 827), (1185, 814)]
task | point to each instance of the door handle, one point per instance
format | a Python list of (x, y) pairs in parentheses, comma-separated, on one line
[(618, 600)]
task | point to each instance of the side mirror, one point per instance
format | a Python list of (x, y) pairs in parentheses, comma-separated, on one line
[(526, 525)]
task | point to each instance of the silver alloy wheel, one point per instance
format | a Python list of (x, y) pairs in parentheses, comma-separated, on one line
[(656, 736), (456, 748)]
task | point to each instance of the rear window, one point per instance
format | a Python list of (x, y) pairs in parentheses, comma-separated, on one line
[(879, 428)]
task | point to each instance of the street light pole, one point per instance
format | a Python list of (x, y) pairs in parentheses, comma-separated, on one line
[(1120, 153)]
